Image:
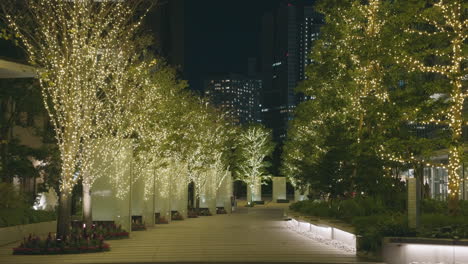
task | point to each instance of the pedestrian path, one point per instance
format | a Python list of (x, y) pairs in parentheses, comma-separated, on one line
[(249, 235)]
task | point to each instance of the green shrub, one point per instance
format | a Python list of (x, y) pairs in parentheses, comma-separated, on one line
[(21, 216), (374, 219), (321, 209), (371, 205), (341, 209), (11, 198), (13, 216), (430, 206), (297, 206), (444, 226), (373, 229), (441, 220), (313, 208), (349, 209), (464, 207), (395, 201)]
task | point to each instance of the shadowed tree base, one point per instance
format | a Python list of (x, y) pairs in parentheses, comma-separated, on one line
[(453, 205), (64, 215), (87, 210)]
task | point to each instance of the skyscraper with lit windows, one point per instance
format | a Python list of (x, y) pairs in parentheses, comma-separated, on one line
[(288, 34), (237, 95), (310, 31)]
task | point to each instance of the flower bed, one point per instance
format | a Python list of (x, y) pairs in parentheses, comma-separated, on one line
[(138, 227), (34, 245), (161, 220), (205, 212), (192, 214), (109, 231), (176, 216), (220, 210)]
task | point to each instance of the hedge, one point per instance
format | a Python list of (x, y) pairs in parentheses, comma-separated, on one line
[(24, 216), (373, 220)]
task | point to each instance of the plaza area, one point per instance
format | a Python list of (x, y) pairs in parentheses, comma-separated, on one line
[(257, 234)]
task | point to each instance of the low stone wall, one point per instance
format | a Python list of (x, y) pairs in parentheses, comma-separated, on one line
[(336, 234), (402, 250), (16, 233)]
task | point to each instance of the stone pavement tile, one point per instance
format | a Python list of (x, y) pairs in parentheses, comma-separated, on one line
[(252, 235)]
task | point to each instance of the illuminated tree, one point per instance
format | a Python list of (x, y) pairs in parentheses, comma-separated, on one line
[(118, 113), (358, 86), (205, 149), (254, 145), (77, 48), (361, 45), (17, 98), (156, 134), (434, 43), (317, 153), (346, 80), (218, 152), (352, 115)]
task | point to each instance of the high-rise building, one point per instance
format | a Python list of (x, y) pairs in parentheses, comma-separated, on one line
[(168, 24), (237, 95), (288, 33), (310, 31), (252, 67)]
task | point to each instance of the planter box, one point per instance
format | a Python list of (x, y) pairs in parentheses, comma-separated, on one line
[(12, 234), (334, 233), (424, 250)]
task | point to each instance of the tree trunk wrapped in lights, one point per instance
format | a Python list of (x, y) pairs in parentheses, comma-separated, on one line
[(254, 146), (77, 47), (346, 80), (434, 43)]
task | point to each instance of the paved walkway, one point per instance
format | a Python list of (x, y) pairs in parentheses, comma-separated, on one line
[(249, 235)]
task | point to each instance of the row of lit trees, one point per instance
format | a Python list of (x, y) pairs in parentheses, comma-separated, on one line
[(83, 51), (379, 67), (105, 95)]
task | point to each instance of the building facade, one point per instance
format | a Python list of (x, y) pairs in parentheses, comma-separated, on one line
[(237, 95), (288, 34), (167, 21)]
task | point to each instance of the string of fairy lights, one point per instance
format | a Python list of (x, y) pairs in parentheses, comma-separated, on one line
[(451, 25), (75, 49), (360, 41), (254, 147), (110, 114), (365, 34)]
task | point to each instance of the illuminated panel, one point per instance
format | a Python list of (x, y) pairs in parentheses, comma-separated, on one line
[(303, 227), (323, 231), (422, 253), (328, 235), (345, 237)]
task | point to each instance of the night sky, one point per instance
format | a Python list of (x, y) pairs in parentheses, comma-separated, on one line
[(221, 35)]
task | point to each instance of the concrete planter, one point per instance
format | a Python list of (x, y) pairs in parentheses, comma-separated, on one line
[(424, 250), (334, 233), (17, 233)]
